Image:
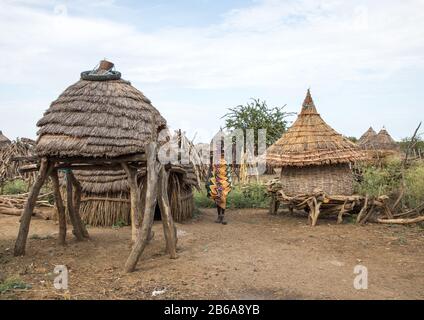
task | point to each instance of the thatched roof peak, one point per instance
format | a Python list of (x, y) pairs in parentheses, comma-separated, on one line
[(367, 137), (311, 141), (308, 105), (3, 140), (101, 115)]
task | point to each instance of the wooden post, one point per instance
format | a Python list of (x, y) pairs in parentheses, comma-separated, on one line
[(77, 205), (274, 205), (151, 198), (342, 210), (135, 200), (45, 169), (60, 207), (71, 209), (169, 229)]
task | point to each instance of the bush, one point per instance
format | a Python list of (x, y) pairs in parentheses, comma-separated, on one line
[(387, 180), (253, 195), (12, 284), (414, 178), (15, 187)]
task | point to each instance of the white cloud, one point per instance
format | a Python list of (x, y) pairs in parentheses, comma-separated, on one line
[(271, 44)]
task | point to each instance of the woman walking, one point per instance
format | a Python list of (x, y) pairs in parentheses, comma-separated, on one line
[(218, 185)]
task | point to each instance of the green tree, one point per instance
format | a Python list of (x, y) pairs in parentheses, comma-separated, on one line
[(257, 115)]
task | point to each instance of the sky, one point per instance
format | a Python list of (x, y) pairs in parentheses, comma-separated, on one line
[(362, 60)]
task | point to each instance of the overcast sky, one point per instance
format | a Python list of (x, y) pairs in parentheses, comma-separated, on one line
[(363, 60)]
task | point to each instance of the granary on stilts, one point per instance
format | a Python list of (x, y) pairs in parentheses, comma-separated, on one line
[(314, 159), (102, 123), (106, 194), (365, 141)]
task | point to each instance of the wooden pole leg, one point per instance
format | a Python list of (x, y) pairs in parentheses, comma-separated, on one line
[(135, 199), (60, 207), (77, 205), (45, 169), (149, 211), (77, 231), (169, 228)]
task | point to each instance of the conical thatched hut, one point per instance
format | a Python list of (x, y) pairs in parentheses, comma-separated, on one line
[(365, 141), (4, 141), (314, 156), (383, 141), (379, 146)]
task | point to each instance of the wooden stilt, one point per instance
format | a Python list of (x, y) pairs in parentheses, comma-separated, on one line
[(135, 199), (363, 210), (340, 216), (275, 204), (151, 199), (169, 228), (60, 207), (316, 212), (77, 205), (77, 231), (45, 169)]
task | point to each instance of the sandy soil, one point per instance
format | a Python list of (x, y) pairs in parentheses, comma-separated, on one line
[(255, 256)]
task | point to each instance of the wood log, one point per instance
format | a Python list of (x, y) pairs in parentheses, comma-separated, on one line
[(77, 205), (60, 207), (363, 210), (20, 244), (77, 231), (401, 221), (151, 199), (169, 228), (342, 210), (134, 200)]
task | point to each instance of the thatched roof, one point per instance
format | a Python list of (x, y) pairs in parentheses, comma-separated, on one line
[(4, 141), (383, 141), (310, 141), (101, 115), (365, 140)]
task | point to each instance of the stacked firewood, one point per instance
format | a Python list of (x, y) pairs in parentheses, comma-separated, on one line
[(373, 209), (14, 204)]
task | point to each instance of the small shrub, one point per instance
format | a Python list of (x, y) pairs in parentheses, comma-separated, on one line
[(13, 284), (15, 187), (119, 224), (253, 195)]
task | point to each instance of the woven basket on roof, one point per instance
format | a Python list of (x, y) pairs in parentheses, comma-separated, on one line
[(100, 117), (313, 155)]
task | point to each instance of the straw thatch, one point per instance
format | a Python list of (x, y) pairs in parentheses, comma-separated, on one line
[(106, 196), (4, 141), (97, 117), (383, 141), (310, 141), (365, 141)]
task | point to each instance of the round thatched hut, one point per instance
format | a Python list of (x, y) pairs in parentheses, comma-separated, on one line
[(314, 156), (4, 141)]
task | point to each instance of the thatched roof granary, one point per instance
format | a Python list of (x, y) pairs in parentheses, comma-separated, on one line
[(379, 146), (98, 116), (4, 141), (101, 123), (313, 155)]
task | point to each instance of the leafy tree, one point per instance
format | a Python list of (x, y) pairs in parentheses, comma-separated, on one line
[(257, 115), (353, 139)]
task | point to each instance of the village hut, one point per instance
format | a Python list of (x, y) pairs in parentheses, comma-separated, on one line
[(313, 156), (102, 123), (365, 141), (379, 146), (383, 141), (4, 141)]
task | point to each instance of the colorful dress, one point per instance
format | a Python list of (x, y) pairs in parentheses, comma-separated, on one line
[(218, 184)]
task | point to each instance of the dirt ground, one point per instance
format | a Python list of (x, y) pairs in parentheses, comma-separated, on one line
[(255, 256)]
